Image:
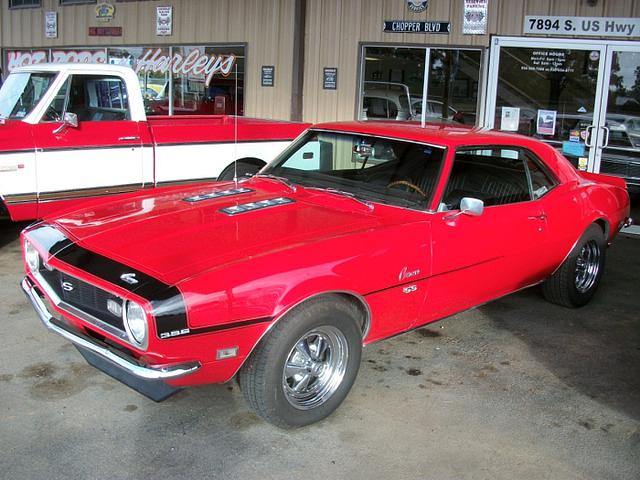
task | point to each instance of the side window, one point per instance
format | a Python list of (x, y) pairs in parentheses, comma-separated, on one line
[(57, 108), (96, 98), (541, 182), (495, 175)]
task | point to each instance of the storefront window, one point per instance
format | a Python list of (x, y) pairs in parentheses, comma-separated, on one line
[(194, 80), (205, 82), (154, 83), (393, 81), (454, 76), (394, 84)]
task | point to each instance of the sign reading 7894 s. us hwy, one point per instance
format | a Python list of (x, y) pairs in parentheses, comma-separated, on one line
[(582, 26)]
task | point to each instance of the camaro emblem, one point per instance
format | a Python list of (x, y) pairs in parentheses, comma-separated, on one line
[(130, 278), (67, 286), (417, 6)]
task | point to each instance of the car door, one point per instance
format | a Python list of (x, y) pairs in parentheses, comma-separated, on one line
[(479, 258), (102, 155)]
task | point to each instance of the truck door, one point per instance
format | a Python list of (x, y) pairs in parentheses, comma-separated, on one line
[(101, 156)]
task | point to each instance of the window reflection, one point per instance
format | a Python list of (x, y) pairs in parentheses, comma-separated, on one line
[(393, 84)]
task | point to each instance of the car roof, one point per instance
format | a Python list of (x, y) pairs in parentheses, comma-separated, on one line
[(439, 134)]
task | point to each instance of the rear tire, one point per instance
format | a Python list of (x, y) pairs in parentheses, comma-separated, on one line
[(245, 168), (577, 279), (302, 371)]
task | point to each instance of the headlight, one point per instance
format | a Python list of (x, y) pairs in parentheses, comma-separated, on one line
[(32, 257), (135, 321)]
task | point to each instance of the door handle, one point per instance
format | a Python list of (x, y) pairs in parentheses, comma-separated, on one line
[(126, 139), (606, 138), (588, 141), (538, 217)]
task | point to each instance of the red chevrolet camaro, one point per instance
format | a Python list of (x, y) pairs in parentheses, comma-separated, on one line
[(357, 232)]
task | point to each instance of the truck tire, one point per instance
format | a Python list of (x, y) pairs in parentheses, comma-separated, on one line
[(245, 168), (577, 279), (302, 371)]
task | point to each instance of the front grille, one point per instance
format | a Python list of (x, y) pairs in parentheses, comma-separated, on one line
[(83, 296)]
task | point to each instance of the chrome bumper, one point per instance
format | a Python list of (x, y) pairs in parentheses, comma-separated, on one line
[(129, 365)]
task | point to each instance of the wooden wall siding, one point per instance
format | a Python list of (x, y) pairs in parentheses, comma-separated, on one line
[(266, 26), (335, 29)]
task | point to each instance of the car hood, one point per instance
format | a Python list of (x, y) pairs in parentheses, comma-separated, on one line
[(174, 234)]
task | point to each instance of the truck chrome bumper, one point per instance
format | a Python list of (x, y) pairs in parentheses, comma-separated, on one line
[(128, 364)]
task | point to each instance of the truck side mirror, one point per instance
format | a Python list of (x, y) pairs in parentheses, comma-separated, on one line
[(68, 120)]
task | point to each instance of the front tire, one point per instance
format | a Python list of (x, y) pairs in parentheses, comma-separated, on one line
[(302, 371), (577, 279)]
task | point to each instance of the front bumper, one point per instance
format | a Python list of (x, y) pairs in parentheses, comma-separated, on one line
[(120, 365)]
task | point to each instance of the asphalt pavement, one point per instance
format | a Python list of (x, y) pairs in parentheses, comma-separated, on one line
[(516, 389)]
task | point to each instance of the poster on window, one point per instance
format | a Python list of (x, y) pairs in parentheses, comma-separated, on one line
[(50, 24), (510, 119), (164, 21), (475, 17), (546, 124)]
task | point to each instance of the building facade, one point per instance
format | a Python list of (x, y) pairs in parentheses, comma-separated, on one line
[(564, 71)]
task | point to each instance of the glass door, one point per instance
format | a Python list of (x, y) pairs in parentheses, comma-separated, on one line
[(618, 147), (549, 89)]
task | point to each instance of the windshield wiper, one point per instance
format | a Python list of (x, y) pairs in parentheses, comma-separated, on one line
[(342, 193), (283, 180)]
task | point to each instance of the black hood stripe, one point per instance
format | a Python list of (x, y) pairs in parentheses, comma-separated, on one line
[(166, 300)]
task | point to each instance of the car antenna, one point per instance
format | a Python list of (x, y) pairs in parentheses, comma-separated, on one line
[(235, 128)]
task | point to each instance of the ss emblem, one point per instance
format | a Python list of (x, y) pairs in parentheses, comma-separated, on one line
[(67, 286)]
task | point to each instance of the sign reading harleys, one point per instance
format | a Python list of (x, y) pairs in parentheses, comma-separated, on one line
[(582, 26)]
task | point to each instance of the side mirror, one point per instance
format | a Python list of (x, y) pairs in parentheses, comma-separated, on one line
[(468, 206), (68, 120), (471, 206)]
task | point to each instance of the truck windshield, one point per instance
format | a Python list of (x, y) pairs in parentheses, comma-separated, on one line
[(21, 92)]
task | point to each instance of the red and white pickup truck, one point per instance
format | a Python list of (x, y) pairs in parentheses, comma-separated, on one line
[(70, 132)]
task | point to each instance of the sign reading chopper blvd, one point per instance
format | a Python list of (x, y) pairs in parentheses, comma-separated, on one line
[(403, 26)]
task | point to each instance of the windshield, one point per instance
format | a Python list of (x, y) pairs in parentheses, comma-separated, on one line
[(394, 172), (21, 92)]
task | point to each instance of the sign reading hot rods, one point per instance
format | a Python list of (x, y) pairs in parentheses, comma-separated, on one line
[(194, 63)]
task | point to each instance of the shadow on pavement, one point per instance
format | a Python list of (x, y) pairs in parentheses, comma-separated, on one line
[(9, 231), (594, 349)]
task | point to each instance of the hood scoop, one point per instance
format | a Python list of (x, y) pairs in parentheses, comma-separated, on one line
[(217, 194), (259, 205)]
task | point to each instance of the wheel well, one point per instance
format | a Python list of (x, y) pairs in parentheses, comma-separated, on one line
[(604, 225), (228, 172), (252, 161), (363, 311)]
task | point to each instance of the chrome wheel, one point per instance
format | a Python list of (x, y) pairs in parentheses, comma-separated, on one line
[(315, 367), (587, 266)]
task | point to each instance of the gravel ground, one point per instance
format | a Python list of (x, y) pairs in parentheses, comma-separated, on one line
[(516, 389)]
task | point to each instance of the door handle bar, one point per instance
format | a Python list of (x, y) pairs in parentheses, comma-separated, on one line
[(125, 139), (588, 141), (538, 217), (606, 138)]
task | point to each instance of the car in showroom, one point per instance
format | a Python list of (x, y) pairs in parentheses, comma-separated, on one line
[(357, 232)]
